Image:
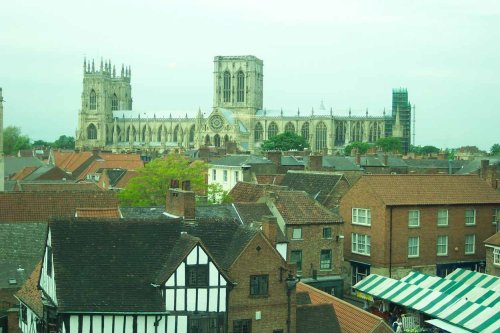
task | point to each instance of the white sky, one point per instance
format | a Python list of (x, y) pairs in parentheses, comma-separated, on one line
[(348, 53)]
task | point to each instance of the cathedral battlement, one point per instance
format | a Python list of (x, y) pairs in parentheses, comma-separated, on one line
[(106, 69)]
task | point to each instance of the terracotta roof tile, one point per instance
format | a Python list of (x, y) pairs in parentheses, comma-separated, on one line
[(297, 207), (40, 206), (30, 295), (26, 171), (270, 179), (111, 164), (428, 189), (493, 240), (249, 192), (107, 213), (351, 318), (70, 160)]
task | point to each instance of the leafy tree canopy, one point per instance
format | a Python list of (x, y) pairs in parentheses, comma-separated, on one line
[(217, 195), (361, 146), (495, 149), (151, 186), (13, 140), (65, 142), (285, 141), (425, 150), (389, 144)]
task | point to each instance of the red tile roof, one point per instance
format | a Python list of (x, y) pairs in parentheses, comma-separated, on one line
[(351, 318), (111, 164), (26, 171), (249, 192), (70, 160), (402, 190), (107, 213), (29, 293), (122, 183), (40, 206)]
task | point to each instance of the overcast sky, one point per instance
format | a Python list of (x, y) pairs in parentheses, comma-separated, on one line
[(350, 54)]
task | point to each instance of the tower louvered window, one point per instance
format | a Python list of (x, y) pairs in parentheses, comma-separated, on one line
[(227, 87), (240, 97), (93, 100)]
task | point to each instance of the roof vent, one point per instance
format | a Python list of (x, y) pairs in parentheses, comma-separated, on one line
[(12, 282), (184, 233)]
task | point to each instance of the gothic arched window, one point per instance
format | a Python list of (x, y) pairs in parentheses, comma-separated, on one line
[(357, 132), (227, 87), (374, 134), (176, 133), (289, 128), (240, 89), (114, 103), (217, 140), (340, 129), (258, 133), (191, 134), (320, 136), (305, 131), (272, 130), (93, 100), (207, 140), (91, 132)]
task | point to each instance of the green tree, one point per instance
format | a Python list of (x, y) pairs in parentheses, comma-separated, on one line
[(217, 195), (65, 142), (13, 140), (361, 146), (285, 141), (150, 187), (389, 144), (495, 149), (41, 143)]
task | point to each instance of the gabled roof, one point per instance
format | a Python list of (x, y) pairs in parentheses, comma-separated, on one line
[(16, 164), (118, 260), (129, 164), (249, 192), (317, 184), (25, 172), (394, 190), (297, 207), (30, 295), (339, 163), (350, 318), (250, 212), (240, 160), (39, 206), (70, 160)]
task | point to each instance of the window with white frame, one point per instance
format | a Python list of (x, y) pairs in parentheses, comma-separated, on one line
[(361, 244), (224, 175), (496, 257), (325, 260), (442, 245), (470, 216), (413, 247), (442, 217), (414, 218), (214, 174), (496, 218), (361, 216), (297, 233), (470, 244)]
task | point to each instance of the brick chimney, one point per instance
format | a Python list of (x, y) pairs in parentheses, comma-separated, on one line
[(274, 156), (181, 202), (484, 169), (13, 320), (270, 228), (315, 162), (358, 158), (491, 176)]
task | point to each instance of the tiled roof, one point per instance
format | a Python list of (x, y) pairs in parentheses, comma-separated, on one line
[(249, 192), (250, 212), (317, 184), (297, 207), (30, 294), (317, 318), (493, 240), (434, 164), (270, 179), (112, 164), (39, 206), (475, 165), (428, 189), (123, 181), (239, 160), (16, 164), (351, 318), (339, 163), (70, 160), (108, 213), (21, 246), (117, 262), (291, 160), (56, 186), (26, 171)]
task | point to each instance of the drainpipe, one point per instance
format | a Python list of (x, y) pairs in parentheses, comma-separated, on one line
[(390, 243)]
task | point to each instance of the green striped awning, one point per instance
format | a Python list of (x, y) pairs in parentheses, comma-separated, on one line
[(475, 278), (455, 310)]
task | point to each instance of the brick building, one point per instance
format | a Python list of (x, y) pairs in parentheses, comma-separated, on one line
[(428, 223), (493, 254)]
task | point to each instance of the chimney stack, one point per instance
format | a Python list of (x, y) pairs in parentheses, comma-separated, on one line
[(270, 228), (484, 169), (315, 162), (181, 202), (274, 156)]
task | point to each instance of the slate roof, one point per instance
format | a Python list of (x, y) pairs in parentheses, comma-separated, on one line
[(475, 165), (39, 206), (155, 213), (291, 161), (249, 192), (21, 246), (435, 164), (350, 318), (339, 163), (240, 160), (415, 189), (250, 212), (15, 164), (117, 262), (297, 207), (57, 185), (493, 240), (30, 295), (317, 184)]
